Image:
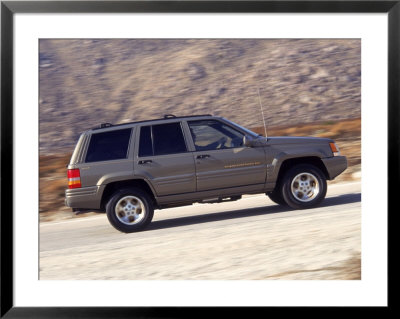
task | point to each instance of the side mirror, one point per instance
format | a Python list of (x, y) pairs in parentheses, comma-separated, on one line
[(247, 141)]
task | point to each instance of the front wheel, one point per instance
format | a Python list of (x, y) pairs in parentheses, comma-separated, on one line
[(130, 210), (304, 186), (276, 197)]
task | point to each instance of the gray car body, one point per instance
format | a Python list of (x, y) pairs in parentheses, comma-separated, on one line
[(181, 179)]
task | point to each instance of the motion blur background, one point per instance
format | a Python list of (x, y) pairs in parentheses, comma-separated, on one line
[(307, 87)]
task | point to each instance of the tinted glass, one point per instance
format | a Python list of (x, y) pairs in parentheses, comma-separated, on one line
[(214, 135), (168, 139), (145, 145), (108, 146), (251, 133)]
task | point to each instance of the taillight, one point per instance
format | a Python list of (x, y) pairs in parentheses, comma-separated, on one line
[(74, 178)]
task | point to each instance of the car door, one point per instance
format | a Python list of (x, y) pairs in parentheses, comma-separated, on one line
[(222, 161), (108, 157), (162, 157)]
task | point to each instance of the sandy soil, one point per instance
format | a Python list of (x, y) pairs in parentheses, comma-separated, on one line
[(248, 239)]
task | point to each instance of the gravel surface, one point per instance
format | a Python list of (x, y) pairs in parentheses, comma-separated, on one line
[(248, 239)]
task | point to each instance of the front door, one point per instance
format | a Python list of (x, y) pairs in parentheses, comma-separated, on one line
[(162, 158), (222, 160)]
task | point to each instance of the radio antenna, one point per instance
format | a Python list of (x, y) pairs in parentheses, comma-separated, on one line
[(262, 112)]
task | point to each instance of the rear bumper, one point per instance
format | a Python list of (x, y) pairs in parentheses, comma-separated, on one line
[(335, 165), (85, 197)]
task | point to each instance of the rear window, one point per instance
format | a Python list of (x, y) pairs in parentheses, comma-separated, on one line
[(108, 146), (161, 139)]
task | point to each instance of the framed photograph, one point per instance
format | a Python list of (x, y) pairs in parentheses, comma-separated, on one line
[(164, 155)]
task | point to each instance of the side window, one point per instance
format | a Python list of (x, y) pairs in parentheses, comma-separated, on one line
[(168, 139), (108, 146), (161, 139), (214, 135)]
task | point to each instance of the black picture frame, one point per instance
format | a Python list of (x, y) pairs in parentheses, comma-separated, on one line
[(9, 8)]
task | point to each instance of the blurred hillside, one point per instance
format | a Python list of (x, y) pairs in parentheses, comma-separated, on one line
[(87, 82)]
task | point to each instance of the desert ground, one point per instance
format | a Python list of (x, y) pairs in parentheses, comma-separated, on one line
[(251, 239)]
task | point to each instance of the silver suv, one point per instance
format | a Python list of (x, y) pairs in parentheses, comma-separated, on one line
[(128, 170)]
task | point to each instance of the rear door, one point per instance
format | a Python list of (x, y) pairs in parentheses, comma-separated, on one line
[(108, 157), (221, 159), (162, 157)]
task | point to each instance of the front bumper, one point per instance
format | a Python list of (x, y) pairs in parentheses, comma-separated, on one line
[(85, 197), (335, 165)]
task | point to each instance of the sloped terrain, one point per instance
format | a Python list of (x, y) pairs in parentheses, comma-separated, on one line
[(87, 82)]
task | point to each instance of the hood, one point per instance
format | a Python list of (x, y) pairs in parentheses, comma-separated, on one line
[(279, 140), (297, 140)]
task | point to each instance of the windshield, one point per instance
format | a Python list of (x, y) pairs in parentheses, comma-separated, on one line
[(247, 131)]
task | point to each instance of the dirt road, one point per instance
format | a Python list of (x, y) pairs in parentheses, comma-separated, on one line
[(252, 238)]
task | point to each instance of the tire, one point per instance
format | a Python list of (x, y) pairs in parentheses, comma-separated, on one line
[(276, 197), (130, 210), (304, 186)]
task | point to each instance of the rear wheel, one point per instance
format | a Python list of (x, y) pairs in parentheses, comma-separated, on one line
[(304, 186), (130, 210)]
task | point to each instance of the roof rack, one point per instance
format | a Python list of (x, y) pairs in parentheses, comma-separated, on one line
[(166, 116), (169, 116)]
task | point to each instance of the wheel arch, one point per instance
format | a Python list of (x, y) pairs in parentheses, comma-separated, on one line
[(291, 162), (112, 187)]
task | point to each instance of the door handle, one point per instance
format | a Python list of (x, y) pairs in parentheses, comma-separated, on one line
[(203, 156), (145, 161)]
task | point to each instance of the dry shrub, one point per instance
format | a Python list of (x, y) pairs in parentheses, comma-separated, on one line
[(335, 130)]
